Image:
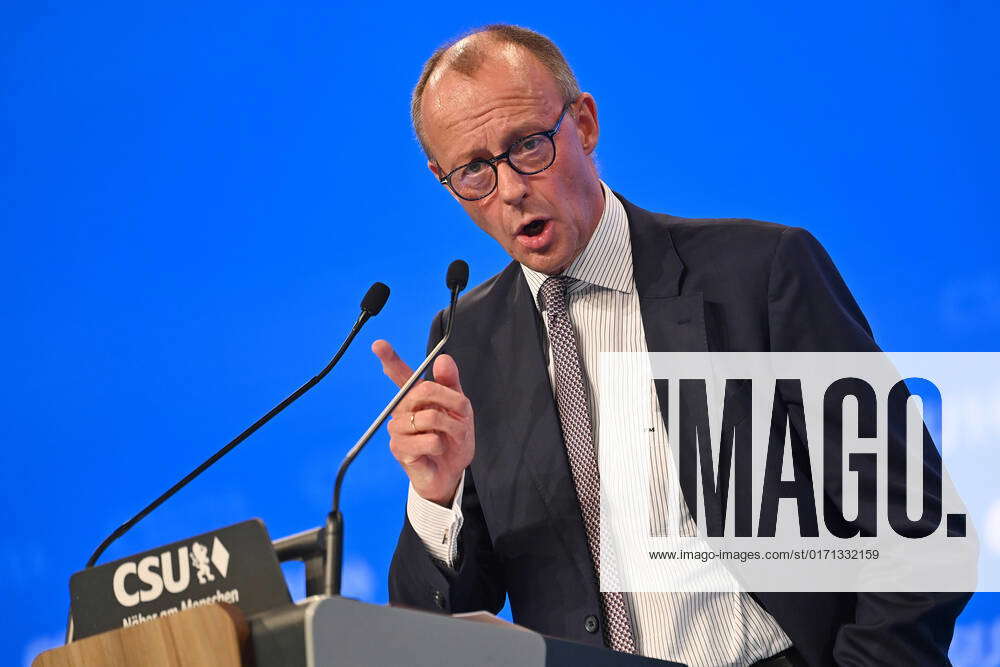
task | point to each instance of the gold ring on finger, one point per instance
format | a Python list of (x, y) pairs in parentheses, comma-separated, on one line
[(413, 427)]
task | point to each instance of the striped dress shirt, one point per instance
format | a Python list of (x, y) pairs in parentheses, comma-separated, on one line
[(705, 629)]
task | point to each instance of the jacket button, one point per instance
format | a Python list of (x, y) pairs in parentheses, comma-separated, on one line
[(591, 624), (439, 599)]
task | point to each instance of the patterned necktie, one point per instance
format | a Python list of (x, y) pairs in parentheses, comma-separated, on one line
[(578, 435)]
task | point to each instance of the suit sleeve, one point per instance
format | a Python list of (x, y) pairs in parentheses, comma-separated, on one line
[(416, 579), (810, 309)]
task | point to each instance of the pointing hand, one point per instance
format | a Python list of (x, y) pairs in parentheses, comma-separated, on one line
[(432, 431)]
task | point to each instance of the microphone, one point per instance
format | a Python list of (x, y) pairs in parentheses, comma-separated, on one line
[(371, 304), (374, 299), (458, 276), (456, 280)]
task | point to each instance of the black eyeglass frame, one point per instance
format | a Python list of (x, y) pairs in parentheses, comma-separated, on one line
[(492, 162)]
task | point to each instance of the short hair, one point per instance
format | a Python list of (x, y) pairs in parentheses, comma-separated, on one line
[(470, 59)]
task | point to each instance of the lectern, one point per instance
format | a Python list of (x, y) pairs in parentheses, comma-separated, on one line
[(327, 631)]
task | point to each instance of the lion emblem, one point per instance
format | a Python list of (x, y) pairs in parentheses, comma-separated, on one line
[(199, 560)]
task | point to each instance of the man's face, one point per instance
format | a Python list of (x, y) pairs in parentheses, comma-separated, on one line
[(544, 220)]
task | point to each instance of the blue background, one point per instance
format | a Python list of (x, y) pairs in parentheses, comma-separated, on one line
[(188, 224)]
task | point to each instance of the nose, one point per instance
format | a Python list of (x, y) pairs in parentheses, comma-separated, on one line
[(511, 186)]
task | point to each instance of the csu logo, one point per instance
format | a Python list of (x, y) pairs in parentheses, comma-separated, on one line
[(156, 573)]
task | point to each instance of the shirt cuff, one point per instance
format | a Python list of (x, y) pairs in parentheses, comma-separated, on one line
[(437, 526)]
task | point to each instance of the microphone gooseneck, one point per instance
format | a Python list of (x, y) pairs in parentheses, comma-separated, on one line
[(456, 280)]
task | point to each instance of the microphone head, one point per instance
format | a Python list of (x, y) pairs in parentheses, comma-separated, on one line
[(458, 276), (375, 298)]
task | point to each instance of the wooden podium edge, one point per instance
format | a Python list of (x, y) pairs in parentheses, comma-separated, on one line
[(215, 634)]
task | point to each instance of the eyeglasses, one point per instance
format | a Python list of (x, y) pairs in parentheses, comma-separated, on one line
[(528, 155)]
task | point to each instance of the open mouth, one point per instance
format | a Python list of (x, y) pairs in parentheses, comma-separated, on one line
[(534, 228)]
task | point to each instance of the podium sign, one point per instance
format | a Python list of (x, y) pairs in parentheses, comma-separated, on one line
[(235, 564)]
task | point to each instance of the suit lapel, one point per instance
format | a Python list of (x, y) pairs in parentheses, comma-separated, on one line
[(673, 322), (533, 441)]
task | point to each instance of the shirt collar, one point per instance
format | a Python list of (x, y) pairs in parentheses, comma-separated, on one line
[(605, 262)]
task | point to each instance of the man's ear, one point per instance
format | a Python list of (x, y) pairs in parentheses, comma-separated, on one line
[(587, 126)]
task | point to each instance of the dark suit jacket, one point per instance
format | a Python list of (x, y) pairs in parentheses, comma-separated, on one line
[(703, 285)]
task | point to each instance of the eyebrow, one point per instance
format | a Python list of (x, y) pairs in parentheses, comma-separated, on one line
[(510, 138)]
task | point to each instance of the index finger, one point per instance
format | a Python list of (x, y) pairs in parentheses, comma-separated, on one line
[(392, 365)]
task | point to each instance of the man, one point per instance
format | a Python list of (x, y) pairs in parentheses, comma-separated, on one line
[(502, 457)]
